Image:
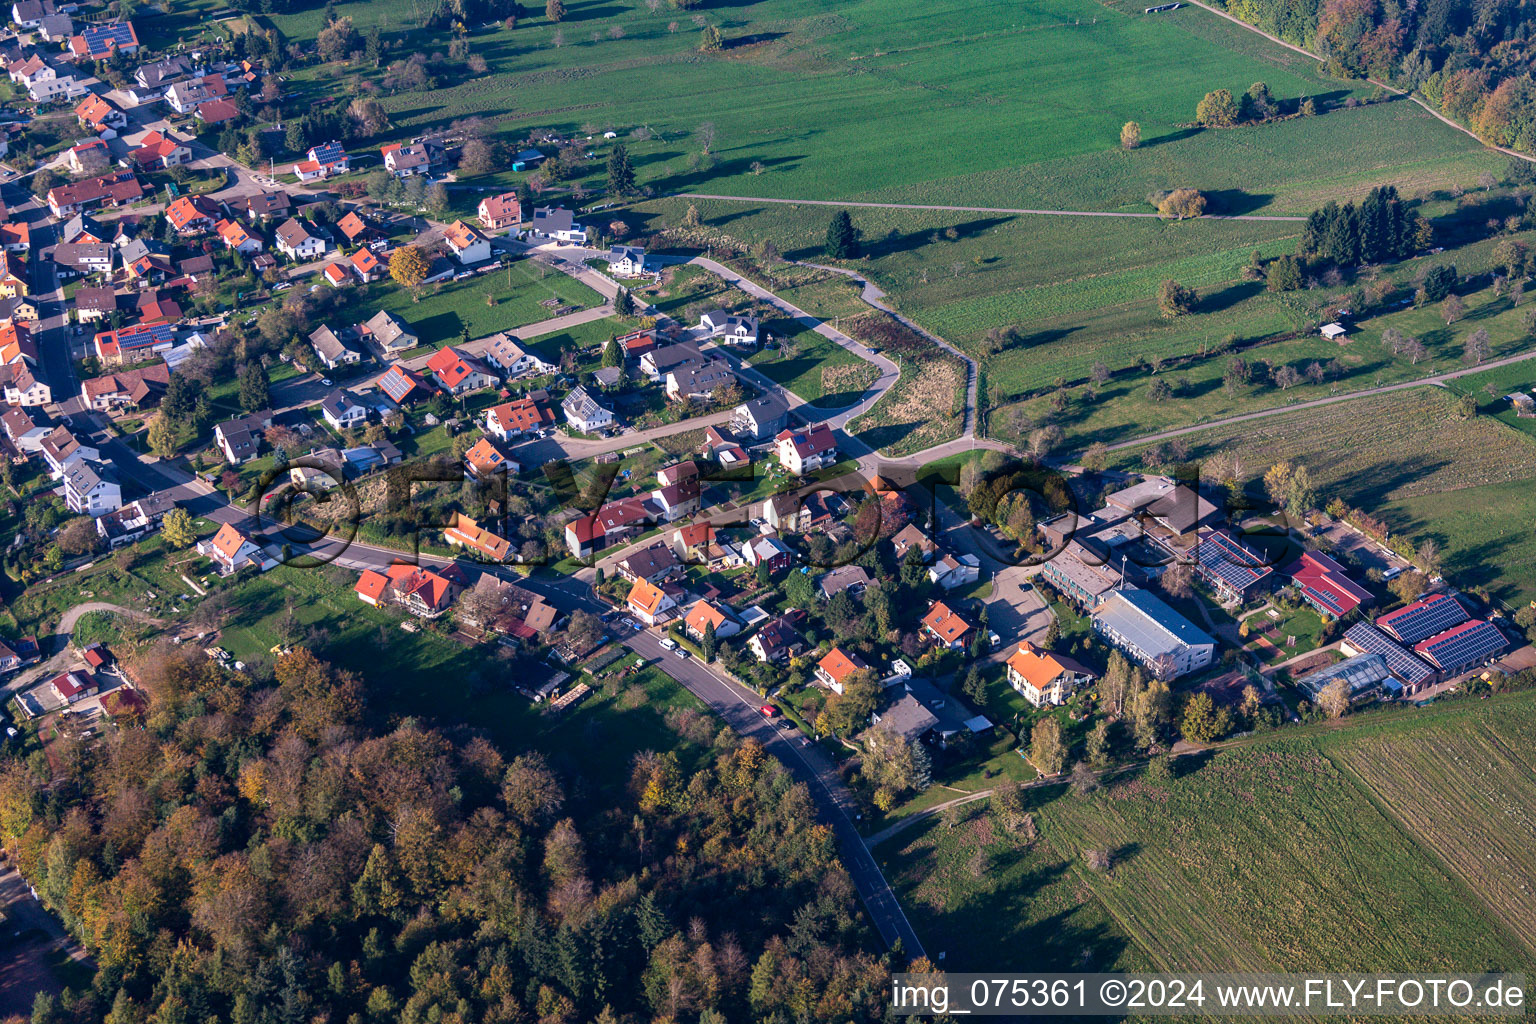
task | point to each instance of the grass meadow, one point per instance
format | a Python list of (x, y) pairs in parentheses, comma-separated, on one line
[(1397, 842)]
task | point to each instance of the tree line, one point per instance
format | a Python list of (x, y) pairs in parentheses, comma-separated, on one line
[(268, 851)]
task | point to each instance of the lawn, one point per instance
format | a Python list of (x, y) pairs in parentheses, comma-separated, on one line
[(1395, 842), (1302, 622), (818, 370), (1483, 532), (447, 309)]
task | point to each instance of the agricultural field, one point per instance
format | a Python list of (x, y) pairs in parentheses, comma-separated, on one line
[(1460, 790), (1375, 846), (1483, 532)]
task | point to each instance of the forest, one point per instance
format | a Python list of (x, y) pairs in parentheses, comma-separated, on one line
[(263, 853), (1470, 60)]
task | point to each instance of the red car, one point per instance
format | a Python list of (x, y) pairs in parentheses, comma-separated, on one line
[(769, 711)]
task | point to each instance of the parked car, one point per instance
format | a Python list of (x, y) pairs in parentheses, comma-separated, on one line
[(681, 653), (667, 643)]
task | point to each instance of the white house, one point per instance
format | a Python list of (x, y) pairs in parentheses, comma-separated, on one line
[(805, 451), (1043, 678), (331, 350), (90, 490), (342, 411), (558, 223), (296, 242), (628, 261), (584, 413), (466, 244), (230, 550), (951, 571), (508, 355), (740, 331)]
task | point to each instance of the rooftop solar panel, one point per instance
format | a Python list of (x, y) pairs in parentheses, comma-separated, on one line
[(1463, 645), (1425, 618), (1366, 637), (1225, 560)]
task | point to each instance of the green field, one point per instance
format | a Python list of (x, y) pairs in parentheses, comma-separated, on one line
[(448, 308), (1398, 842)]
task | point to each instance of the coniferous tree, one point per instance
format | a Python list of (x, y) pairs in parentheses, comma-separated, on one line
[(842, 237)]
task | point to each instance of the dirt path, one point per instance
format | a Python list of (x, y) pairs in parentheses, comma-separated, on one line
[(972, 209)]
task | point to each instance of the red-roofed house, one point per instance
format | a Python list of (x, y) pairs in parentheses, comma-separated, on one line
[(501, 211), (466, 244), (705, 614), (805, 451), (402, 385), (834, 669), (236, 237), (484, 460), (466, 533), (510, 419), (366, 265), (946, 626), (157, 152), (1045, 678), (190, 216), (98, 114), (90, 157), (335, 275), (217, 111), (371, 588), (650, 603), (459, 374), (230, 549), (73, 685)]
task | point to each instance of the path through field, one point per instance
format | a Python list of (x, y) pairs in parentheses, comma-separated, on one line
[(970, 209)]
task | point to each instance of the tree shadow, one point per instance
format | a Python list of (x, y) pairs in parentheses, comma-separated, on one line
[(755, 39), (1163, 140), (1230, 296), (1232, 202)]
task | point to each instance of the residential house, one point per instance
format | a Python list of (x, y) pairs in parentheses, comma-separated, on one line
[(1044, 678), (909, 537), (470, 535), (322, 162), (508, 355), (30, 13), (615, 522), (584, 413), (947, 627), (805, 451), (424, 593), (56, 28), (336, 275), (366, 265), (146, 260), (215, 112), (156, 305), (240, 438), (130, 344), (157, 151), (484, 460), (559, 224), (1153, 634), (138, 388), (698, 381), (649, 603), (135, 520), (353, 228), (851, 578), (762, 417), (83, 257), (511, 419), (458, 373), (402, 385), (466, 244), (185, 96), (16, 236), (236, 237), (102, 40), (99, 114), (159, 74), (951, 571), (769, 551), (89, 157), (17, 344), (403, 161), (740, 331), (653, 563), (389, 332), (660, 360), (114, 189), (778, 640), (25, 428), (705, 614), (503, 211), (268, 205), (15, 654), (21, 385), (89, 489), (295, 241), (62, 449), (230, 549), (833, 670), (342, 411), (331, 350), (13, 275), (628, 261), (19, 310), (192, 215)]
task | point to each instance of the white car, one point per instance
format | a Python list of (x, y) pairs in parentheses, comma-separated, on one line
[(668, 643), (325, 382)]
